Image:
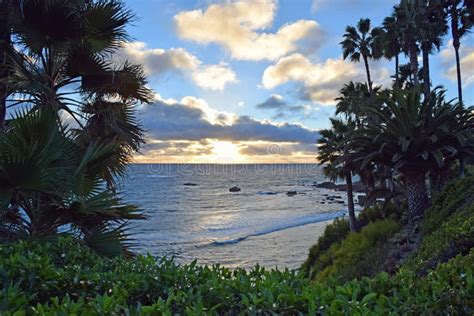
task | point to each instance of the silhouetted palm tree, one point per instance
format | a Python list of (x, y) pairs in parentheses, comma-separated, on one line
[(432, 27), (362, 42), (408, 18), (330, 150), (63, 65), (391, 42), (4, 47), (414, 137), (461, 15), (64, 176)]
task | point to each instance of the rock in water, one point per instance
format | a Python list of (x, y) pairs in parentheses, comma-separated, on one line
[(234, 189), (190, 184), (326, 185), (291, 193)]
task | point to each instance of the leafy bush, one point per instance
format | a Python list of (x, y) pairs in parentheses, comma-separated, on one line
[(379, 212), (453, 198), (360, 254), (333, 233), (67, 278), (338, 230)]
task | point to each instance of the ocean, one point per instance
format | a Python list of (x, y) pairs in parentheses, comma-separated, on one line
[(191, 215)]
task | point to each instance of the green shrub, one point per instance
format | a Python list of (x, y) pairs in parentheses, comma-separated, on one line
[(66, 278), (454, 197), (454, 236), (360, 254), (333, 233), (379, 212)]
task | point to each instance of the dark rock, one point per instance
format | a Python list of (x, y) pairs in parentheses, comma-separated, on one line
[(234, 189), (326, 185), (190, 184), (291, 193)]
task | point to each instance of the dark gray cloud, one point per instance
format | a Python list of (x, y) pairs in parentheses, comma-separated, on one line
[(175, 121), (283, 110), (278, 149)]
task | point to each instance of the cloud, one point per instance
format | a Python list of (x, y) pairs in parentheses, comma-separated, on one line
[(192, 119), (318, 82), (448, 59), (157, 61), (238, 27), (166, 149), (283, 109), (214, 77), (282, 149)]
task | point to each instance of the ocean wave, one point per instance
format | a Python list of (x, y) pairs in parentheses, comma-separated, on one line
[(300, 221), (159, 176)]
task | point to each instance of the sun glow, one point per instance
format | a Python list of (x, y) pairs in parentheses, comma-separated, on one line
[(226, 152)]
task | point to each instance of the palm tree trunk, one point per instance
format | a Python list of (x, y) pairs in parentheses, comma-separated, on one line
[(458, 70), (350, 203), (414, 63), (396, 71), (369, 81), (456, 45), (417, 194), (4, 42), (426, 70)]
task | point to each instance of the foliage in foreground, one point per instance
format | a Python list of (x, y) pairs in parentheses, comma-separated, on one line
[(68, 278)]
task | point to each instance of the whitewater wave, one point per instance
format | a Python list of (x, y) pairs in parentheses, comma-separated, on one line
[(301, 221), (159, 176)]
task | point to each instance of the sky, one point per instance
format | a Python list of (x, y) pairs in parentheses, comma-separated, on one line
[(254, 81)]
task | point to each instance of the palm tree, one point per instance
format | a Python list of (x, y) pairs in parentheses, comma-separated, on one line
[(330, 150), (64, 177), (391, 42), (407, 15), (4, 47), (413, 138), (361, 42), (432, 28), (354, 97), (461, 14), (63, 65), (51, 183), (461, 21)]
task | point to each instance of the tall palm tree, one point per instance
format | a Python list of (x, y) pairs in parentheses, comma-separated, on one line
[(413, 138), (408, 17), (391, 42), (330, 150), (432, 27), (4, 47), (461, 15), (362, 42), (62, 63)]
